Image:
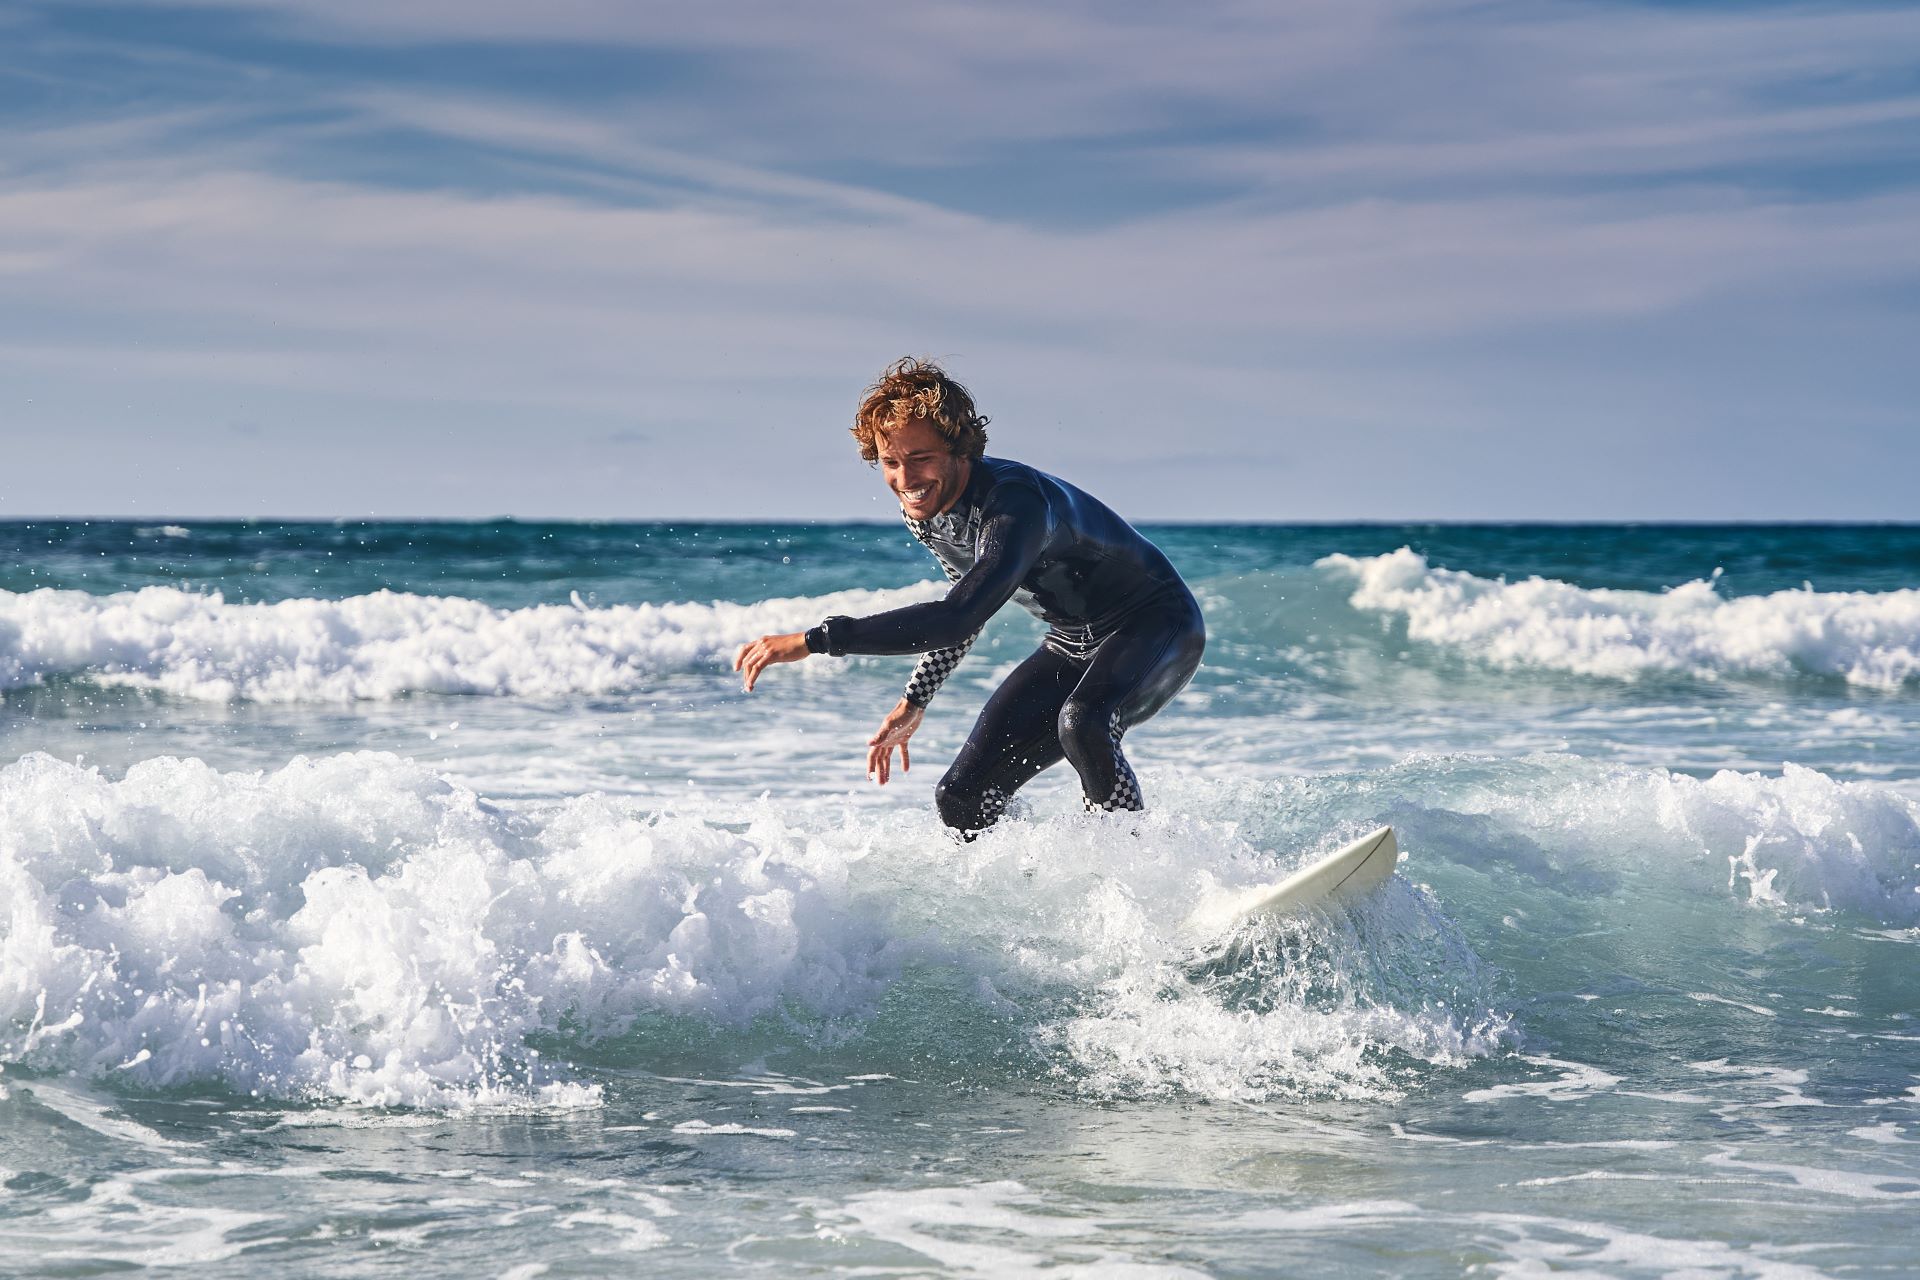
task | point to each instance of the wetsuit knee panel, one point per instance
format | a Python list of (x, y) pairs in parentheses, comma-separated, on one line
[(966, 808), (957, 806), (1083, 721)]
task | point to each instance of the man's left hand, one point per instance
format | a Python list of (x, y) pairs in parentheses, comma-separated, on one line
[(756, 657), (894, 732)]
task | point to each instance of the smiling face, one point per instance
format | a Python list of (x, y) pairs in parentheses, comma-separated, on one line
[(920, 467)]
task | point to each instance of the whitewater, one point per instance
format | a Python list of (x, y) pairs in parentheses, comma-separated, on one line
[(429, 895)]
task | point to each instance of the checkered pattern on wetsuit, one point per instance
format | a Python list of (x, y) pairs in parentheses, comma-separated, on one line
[(935, 665), (1126, 788)]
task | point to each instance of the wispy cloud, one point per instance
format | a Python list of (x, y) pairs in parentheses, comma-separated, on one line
[(1763, 139), (1256, 197), (946, 75), (726, 240)]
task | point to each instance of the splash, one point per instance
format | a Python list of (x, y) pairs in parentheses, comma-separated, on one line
[(361, 928)]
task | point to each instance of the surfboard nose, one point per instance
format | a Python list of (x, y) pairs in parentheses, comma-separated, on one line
[(1365, 864)]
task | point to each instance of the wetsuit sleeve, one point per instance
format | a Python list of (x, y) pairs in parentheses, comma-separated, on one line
[(1012, 533), (936, 665), (933, 669)]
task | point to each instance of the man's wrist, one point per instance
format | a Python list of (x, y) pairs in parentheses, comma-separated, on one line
[(820, 638)]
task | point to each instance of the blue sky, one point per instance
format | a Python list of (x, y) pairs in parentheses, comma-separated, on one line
[(1272, 261)]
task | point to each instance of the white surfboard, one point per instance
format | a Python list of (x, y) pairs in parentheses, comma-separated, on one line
[(1365, 864)]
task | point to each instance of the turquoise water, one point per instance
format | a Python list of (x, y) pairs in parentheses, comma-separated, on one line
[(428, 896)]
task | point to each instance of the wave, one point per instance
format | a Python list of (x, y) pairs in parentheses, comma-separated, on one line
[(1794, 844), (387, 645), (1870, 639), (360, 928), (383, 645)]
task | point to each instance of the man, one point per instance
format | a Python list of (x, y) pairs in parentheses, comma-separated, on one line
[(1125, 634)]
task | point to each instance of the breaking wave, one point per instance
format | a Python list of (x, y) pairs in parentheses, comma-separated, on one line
[(360, 927), (1870, 639), (382, 645)]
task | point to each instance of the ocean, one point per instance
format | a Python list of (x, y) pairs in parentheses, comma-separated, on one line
[(428, 899)]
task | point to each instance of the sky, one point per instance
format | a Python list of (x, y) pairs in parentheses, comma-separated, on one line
[(1292, 260)]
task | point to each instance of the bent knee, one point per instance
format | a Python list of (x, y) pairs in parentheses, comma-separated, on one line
[(1086, 724), (953, 803), (965, 808)]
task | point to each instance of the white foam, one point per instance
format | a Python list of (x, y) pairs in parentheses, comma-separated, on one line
[(701, 1128), (359, 927), (1140, 1038), (1524, 1244), (1868, 638), (1785, 1083), (1307, 1011), (1323, 1217), (1846, 1184), (1539, 1245), (101, 1115), (1795, 842), (1576, 1080), (116, 1224), (765, 1086), (999, 1229), (633, 1235), (1707, 997), (385, 644)]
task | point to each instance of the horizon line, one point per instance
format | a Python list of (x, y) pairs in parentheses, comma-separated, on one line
[(1171, 521)]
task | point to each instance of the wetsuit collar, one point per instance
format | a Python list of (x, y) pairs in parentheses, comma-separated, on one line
[(956, 519), (970, 495)]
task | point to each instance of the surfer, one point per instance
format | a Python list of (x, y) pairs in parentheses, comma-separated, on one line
[(1124, 633)]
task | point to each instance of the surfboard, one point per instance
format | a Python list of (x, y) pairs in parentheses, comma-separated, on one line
[(1365, 864)]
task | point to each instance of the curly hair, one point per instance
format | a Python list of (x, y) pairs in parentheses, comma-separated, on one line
[(910, 389)]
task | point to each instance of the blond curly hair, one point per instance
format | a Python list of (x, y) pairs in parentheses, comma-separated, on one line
[(910, 389)]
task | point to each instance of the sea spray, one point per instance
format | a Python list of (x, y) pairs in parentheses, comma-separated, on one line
[(360, 927)]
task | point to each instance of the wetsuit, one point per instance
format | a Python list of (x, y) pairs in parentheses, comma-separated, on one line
[(1124, 636)]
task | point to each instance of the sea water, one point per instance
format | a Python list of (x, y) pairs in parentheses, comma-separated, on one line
[(429, 899)]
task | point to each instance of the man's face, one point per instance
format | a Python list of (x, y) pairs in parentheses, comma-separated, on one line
[(920, 469)]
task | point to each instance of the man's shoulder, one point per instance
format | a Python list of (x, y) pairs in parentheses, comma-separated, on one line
[(1007, 478)]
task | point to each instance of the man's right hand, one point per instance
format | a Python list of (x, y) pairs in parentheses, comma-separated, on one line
[(894, 732)]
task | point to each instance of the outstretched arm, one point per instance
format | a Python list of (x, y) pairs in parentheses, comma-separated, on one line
[(1011, 538)]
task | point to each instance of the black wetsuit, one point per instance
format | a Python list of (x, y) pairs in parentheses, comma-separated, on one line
[(1125, 635)]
